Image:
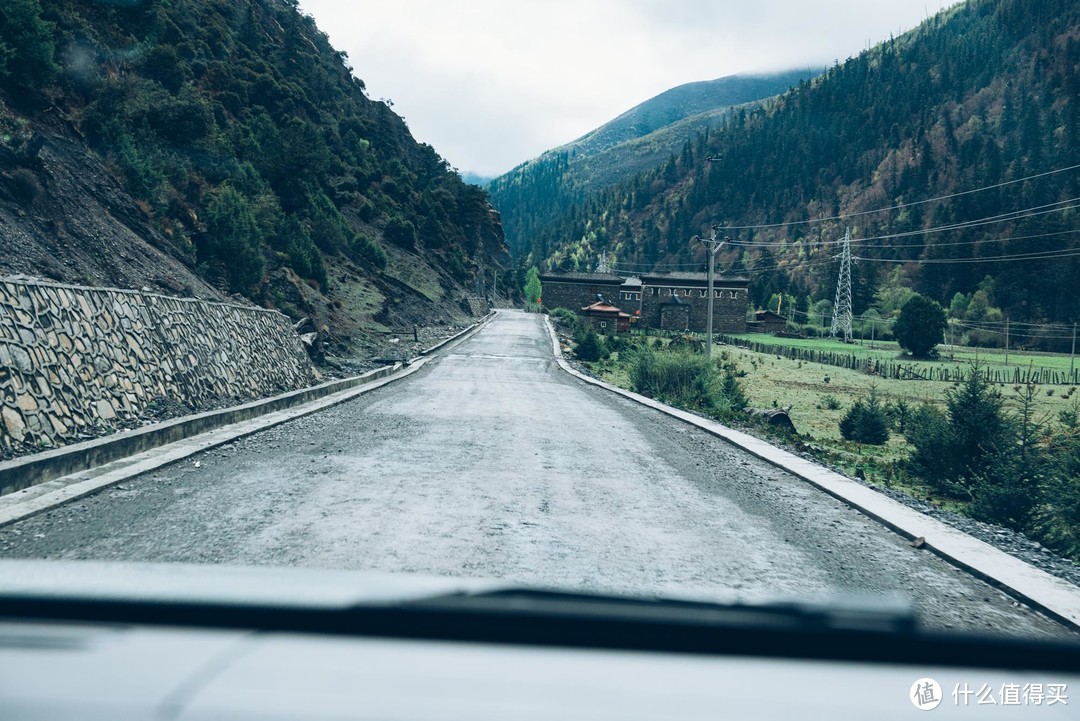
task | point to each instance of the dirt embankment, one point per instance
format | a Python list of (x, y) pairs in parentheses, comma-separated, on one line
[(64, 217)]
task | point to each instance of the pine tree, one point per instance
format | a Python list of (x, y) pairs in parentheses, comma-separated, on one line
[(27, 50), (232, 240)]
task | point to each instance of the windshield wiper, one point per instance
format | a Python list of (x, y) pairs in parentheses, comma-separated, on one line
[(848, 630)]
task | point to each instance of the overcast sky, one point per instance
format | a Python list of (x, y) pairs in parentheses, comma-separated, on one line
[(492, 83)]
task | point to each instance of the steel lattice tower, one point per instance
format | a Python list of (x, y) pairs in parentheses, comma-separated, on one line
[(842, 315), (602, 265)]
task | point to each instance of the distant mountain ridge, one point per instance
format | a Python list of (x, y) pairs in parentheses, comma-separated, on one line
[(680, 103), (639, 139)]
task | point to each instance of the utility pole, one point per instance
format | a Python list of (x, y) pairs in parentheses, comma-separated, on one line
[(494, 286), (1006, 340), (842, 306), (1072, 358), (712, 245)]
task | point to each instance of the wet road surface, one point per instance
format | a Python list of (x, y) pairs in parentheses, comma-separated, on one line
[(492, 462)]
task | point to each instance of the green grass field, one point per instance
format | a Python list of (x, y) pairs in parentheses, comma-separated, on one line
[(951, 356), (808, 389)]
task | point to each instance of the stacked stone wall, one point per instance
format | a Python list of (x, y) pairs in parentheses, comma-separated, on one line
[(77, 361), (575, 295)]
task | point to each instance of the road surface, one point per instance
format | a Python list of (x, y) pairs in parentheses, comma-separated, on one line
[(492, 462)]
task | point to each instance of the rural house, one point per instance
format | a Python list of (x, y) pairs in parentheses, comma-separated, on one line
[(606, 318), (765, 321)]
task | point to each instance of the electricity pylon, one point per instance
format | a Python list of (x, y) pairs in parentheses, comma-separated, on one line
[(841, 319), (603, 266)]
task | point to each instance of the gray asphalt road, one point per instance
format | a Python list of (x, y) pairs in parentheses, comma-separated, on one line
[(492, 462)]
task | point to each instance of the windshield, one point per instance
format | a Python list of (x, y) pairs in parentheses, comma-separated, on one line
[(608, 297)]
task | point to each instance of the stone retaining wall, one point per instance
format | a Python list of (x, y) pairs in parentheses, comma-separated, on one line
[(76, 361)]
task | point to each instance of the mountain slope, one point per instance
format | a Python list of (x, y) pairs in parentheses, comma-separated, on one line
[(983, 94), (251, 159), (640, 139), (682, 102)]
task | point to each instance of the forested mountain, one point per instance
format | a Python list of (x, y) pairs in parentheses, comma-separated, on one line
[(983, 94), (642, 138), (253, 154)]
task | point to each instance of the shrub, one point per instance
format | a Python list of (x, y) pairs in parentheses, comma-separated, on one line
[(899, 413), (929, 433), (732, 393), (401, 232), (588, 348), (866, 421), (1008, 489), (562, 314), (616, 343), (680, 378), (368, 251), (831, 402)]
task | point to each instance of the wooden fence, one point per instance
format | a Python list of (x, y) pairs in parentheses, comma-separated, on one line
[(886, 368)]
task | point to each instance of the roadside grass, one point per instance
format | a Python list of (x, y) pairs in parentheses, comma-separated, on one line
[(818, 395)]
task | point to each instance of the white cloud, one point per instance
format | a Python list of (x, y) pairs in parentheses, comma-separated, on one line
[(492, 83)]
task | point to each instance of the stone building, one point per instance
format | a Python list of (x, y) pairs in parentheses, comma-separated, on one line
[(669, 301), (576, 290), (606, 318), (678, 301), (630, 296)]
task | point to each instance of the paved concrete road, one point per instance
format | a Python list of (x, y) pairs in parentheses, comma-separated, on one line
[(493, 462)]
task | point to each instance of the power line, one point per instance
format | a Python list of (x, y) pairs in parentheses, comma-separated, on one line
[(970, 242), (988, 220), (1032, 255), (901, 206), (1038, 255), (1000, 330), (1058, 326)]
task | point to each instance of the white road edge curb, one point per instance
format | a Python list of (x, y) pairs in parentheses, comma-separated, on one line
[(1053, 596), (16, 506)]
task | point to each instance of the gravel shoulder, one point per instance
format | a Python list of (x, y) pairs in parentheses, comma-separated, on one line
[(491, 462)]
